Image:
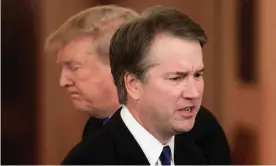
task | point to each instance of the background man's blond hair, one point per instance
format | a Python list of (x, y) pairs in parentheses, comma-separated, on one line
[(99, 22)]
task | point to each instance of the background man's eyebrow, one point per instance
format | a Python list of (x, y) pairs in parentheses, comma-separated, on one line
[(65, 62), (68, 63)]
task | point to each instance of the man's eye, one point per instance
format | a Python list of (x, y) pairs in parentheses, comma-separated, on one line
[(73, 68), (198, 75), (178, 78)]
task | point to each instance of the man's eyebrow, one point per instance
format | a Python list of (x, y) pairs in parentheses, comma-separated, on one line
[(68, 63), (200, 70), (181, 73)]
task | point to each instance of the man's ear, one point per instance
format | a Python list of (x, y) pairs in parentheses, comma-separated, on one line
[(132, 86)]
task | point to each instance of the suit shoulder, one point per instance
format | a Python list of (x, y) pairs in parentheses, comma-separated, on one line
[(206, 126), (91, 151), (209, 135), (207, 119), (206, 114)]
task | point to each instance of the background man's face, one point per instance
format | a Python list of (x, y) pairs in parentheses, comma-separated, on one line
[(172, 94), (88, 81)]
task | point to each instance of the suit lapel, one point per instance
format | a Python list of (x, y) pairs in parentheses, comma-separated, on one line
[(128, 149)]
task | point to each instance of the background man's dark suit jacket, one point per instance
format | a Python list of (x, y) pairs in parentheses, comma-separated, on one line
[(113, 144)]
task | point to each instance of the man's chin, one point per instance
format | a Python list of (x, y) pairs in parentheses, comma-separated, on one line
[(81, 107), (90, 112), (188, 126)]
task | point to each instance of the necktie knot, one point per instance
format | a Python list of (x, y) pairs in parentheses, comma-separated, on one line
[(165, 156), (105, 121)]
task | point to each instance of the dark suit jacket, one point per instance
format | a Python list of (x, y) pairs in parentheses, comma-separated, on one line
[(210, 137), (207, 134), (113, 144)]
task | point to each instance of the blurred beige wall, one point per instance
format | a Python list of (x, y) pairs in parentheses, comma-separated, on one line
[(239, 101), (267, 60), (234, 103)]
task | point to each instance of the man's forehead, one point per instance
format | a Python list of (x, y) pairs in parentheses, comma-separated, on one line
[(173, 67), (176, 61), (173, 64), (74, 53), (65, 59)]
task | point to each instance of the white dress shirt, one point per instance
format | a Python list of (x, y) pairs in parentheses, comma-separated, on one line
[(151, 147)]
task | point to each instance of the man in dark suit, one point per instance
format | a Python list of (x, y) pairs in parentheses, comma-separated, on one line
[(207, 134), (115, 145), (157, 108)]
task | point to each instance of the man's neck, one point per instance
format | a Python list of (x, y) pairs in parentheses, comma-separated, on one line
[(103, 113), (147, 124)]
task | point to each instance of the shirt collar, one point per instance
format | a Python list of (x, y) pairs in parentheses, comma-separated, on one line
[(151, 147)]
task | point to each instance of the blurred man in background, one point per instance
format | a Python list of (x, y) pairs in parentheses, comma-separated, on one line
[(81, 45)]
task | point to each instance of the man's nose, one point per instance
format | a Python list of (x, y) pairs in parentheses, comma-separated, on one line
[(191, 90), (65, 80)]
